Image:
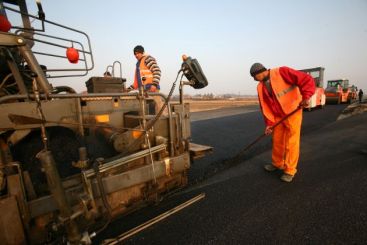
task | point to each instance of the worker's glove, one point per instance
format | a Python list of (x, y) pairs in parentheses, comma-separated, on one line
[(153, 88), (304, 103), (268, 130)]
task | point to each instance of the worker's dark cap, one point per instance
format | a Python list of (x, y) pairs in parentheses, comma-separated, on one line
[(139, 49), (257, 68)]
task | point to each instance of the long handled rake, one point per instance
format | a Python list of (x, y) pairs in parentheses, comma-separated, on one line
[(243, 151)]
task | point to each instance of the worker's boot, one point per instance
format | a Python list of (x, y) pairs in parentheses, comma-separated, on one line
[(286, 178), (270, 167)]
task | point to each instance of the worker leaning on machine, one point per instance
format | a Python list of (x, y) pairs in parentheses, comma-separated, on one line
[(283, 91), (147, 72)]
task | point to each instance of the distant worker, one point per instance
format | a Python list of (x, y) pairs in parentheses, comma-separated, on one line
[(281, 91), (147, 72), (107, 74), (360, 95)]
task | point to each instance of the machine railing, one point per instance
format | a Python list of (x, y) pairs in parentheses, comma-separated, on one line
[(55, 45)]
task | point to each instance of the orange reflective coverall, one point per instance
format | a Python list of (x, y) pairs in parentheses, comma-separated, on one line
[(277, 99)]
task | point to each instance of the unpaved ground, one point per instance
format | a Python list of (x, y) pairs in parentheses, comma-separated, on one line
[(206, 105), (354, 109)]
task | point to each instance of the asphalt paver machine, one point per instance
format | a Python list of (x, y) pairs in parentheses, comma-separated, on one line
[(71, 162)]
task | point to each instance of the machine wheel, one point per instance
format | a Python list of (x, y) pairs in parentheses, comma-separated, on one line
[(63, 144)]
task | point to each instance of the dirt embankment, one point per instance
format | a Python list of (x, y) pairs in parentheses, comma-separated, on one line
[(206, 105), (353, 109)]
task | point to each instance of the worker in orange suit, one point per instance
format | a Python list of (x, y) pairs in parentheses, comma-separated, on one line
[(281, 91)]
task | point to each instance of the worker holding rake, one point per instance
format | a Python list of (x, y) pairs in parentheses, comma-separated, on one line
[(282, 93)]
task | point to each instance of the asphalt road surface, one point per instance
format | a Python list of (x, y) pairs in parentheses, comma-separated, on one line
[(228, 134), (325, 204)]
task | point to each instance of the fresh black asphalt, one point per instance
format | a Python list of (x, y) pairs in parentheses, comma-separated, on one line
[(325, 204)]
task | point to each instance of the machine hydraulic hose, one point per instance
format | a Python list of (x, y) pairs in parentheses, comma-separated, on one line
[(151, 122)]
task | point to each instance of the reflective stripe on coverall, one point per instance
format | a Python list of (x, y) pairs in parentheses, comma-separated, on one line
[(286, 136)]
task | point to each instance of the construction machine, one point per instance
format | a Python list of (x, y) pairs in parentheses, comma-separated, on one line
[(338, 91), (318, 99), (72, 162)]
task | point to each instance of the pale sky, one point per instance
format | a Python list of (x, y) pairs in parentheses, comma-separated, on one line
[(226, 37)]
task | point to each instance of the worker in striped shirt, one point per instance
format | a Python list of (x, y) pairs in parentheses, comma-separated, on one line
[(147, 72)]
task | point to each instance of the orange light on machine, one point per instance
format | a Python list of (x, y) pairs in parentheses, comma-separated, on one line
[(72, 54), (184, 57), (5, 25), (136, 134), (102, 118)]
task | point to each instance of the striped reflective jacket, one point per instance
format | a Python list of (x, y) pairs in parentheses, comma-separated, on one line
[(288, 95), (147, 73)]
